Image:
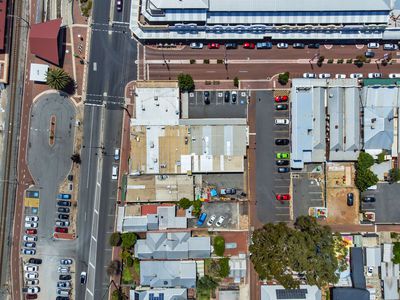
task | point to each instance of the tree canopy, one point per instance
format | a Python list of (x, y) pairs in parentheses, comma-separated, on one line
[(278, 252), (364, 176), (57, 79), (128, 240), (185, 82), (184, 203)]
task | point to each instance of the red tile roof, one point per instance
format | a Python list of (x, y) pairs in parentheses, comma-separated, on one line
[(3, 12), (43, 40), (148, 209)]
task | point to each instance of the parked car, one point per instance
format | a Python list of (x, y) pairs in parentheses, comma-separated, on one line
[(234, 96), (350, 199), (83, 277), (32, 194), (63, 292), (340, 76), (230, 46), (62, 298), (119, 5), (281, 121), (66, 261), (63, 203), (264, 45), (283, 98), (31, 231), (281, 107), (63, 284), (249, 45), (313, 46), (28, 251), (195, 45), (63, 217), (281, 162), (28, 238), (220, 220), (211, 220), (229, 191), (390, 47), (282, 197), (369, 54), (370, 270), (368, 199), (64, 277), (324, 76), (61, 229), (374, 75), (201, 219), (31, 219), (31, 290), (283, 170), (281, 142), (373, 45), (64, 196), (213, 46), (62, 223), (206, 96), (227, 96), (31, 225), (36, 261), (283, 155), (31, 275), (356, 75), (32, 296), (394, 75), (282, 46), (62, 269), (116, 154), (309, 75), (63, 210), (30, 244), (31, 268), (32, 282), (299, 46)]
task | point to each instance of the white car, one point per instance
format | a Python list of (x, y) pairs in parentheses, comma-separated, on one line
[(394, 75), (196, 45), (374, 75), (282, 45), (63, 284), (356, 75), (31, 224), (220, 220), (33, 275), (324, 75), (31, 219), (28, 238), (62, 223), (211, 220), (281, 121), (33, 290), (390, 47), (340, 76), (63, 269), (28, 251), (66, 261), (114, 172), (369, 271), (309, 75), (373, 45), (32, 282), (30, 268)]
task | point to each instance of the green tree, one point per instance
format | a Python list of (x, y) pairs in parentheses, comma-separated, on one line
[(58, 79), (396, 253), (129, 261), (197, 207), (219, 245), (361, 58), (115, 239), (118, 295), (184, 203), (283, 78), (185, 82), (278, 251), (364, 176), (127, 276), (224, 268), (128, 240), (320, 60), (381, 157), (394, 175), (236, 82), (207, 283)]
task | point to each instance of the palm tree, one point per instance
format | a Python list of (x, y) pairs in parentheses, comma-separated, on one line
[(57, 79)]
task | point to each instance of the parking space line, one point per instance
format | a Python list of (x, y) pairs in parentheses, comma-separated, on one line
[(94, 238), (91, 294), (282, 207), (315, 192), (90, 264)]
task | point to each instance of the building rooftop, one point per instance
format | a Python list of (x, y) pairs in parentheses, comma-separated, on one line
[(278, 292), (349, 293), (357, 267), (38, 72), (374, 256), (159, 294)]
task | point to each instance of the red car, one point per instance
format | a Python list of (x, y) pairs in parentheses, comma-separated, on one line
[(282, 197), (31, 231), (281, 98), (213, 46), (249, 45), (61, 230)]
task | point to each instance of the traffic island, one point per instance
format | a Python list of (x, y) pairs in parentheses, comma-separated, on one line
[(52, 130)]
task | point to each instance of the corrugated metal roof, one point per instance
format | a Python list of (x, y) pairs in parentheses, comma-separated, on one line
[(179, 4), (357, 267)]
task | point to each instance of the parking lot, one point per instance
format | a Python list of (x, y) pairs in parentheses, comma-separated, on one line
[(269, 182), (218, 106), (229, 210)]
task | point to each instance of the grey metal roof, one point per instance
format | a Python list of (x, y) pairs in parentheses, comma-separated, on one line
[(357, 267), (378, 127), (168, 273), (179, 4), (165, 294), (348, 293), (373, 256), (304, 292), (167, 218), (134, 224)]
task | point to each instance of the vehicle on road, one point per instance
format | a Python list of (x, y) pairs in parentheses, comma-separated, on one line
[(281, 142), (283, 155), (229, 191), (61, 229), (31, 224), (309, 75), (31, 268), (368, 199), (30, 244), (64, 196), (264, 45), (369, 54), (63, 217), (63, 284), (211, 220), (119, 5), (373, 45), (116, 154), (114, 172), (64, 277), (340, 76), (283, 98), (62, 269), (31, 219), (83, 277), (28, 238), (350, 199), (313, 46), (66, 261), (31, 275), (390, 47), (282, 45), (281, 121), (394, 75), (234, 96), (227, 96), (283, 170), (299, 46), (282, 197), (36, 261), (32, 282), (374, 75), (63, 210), (62, 223), (324, 76), (230, 46), (28, 251), (201, 219), (31, 231), (206, 96), (249, 45), (213, 46), (356, 75), (282, 162), (220, 220), (281, 107), (195, 45)]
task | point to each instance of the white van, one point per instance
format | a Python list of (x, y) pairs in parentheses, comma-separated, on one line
[(281, 121), (116, 154), (114, 175)]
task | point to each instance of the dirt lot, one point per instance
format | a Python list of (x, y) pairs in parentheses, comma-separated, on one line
[(340, 182)]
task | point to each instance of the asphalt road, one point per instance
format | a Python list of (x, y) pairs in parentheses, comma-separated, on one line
[(111, 67)]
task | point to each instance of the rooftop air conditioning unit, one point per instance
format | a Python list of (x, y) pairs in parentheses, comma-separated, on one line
[(155, 98)]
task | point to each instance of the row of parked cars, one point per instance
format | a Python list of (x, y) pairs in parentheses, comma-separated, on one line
[(228, 97), (64, 283), (353, 75), (31, 275), (30, 237), (63, 213)]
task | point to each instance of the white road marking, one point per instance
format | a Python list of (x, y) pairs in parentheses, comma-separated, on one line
[(94, 238), (91, 294)]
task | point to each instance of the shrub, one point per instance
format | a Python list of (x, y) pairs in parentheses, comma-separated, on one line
[(236, 82), (320, 60), (118, 295), (330, 61), (358, 63), (127, 276), (219, 245), (128, 240), (349, 61), (224, 268), (196, 208), (215, 82), (361, 58), (208, 82), (206, 61), (340, 61), (115, 239), (220, 61), (129, 261), (394, 235), (394, 175), (184, 203), (283, 78), (384, 62), (192, 61), (381, 157)]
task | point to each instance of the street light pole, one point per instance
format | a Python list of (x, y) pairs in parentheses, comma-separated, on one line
[(20, 18)]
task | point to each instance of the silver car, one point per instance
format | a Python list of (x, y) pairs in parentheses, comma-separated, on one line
[(196, 45)]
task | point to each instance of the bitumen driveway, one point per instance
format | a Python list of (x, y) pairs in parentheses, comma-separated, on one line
[(49, 166), (268, 181)]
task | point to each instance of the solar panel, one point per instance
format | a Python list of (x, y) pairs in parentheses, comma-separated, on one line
[(161, 296), (151, 296), (291, 294)]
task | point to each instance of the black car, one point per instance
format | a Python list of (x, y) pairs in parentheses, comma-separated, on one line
[(227, 96), (62, 298), (281, 107), (63, 210), (63, 217), (206, 95), (282, 162), (283, 170), (36, 261), (234, 97), (64, 277), (298, 45), (281, 142), (368, 199), (369, 54), (63, 203), (313, 46), (350, 199), (231, 46)]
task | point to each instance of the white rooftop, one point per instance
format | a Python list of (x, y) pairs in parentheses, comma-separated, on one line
[(38, 72)]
